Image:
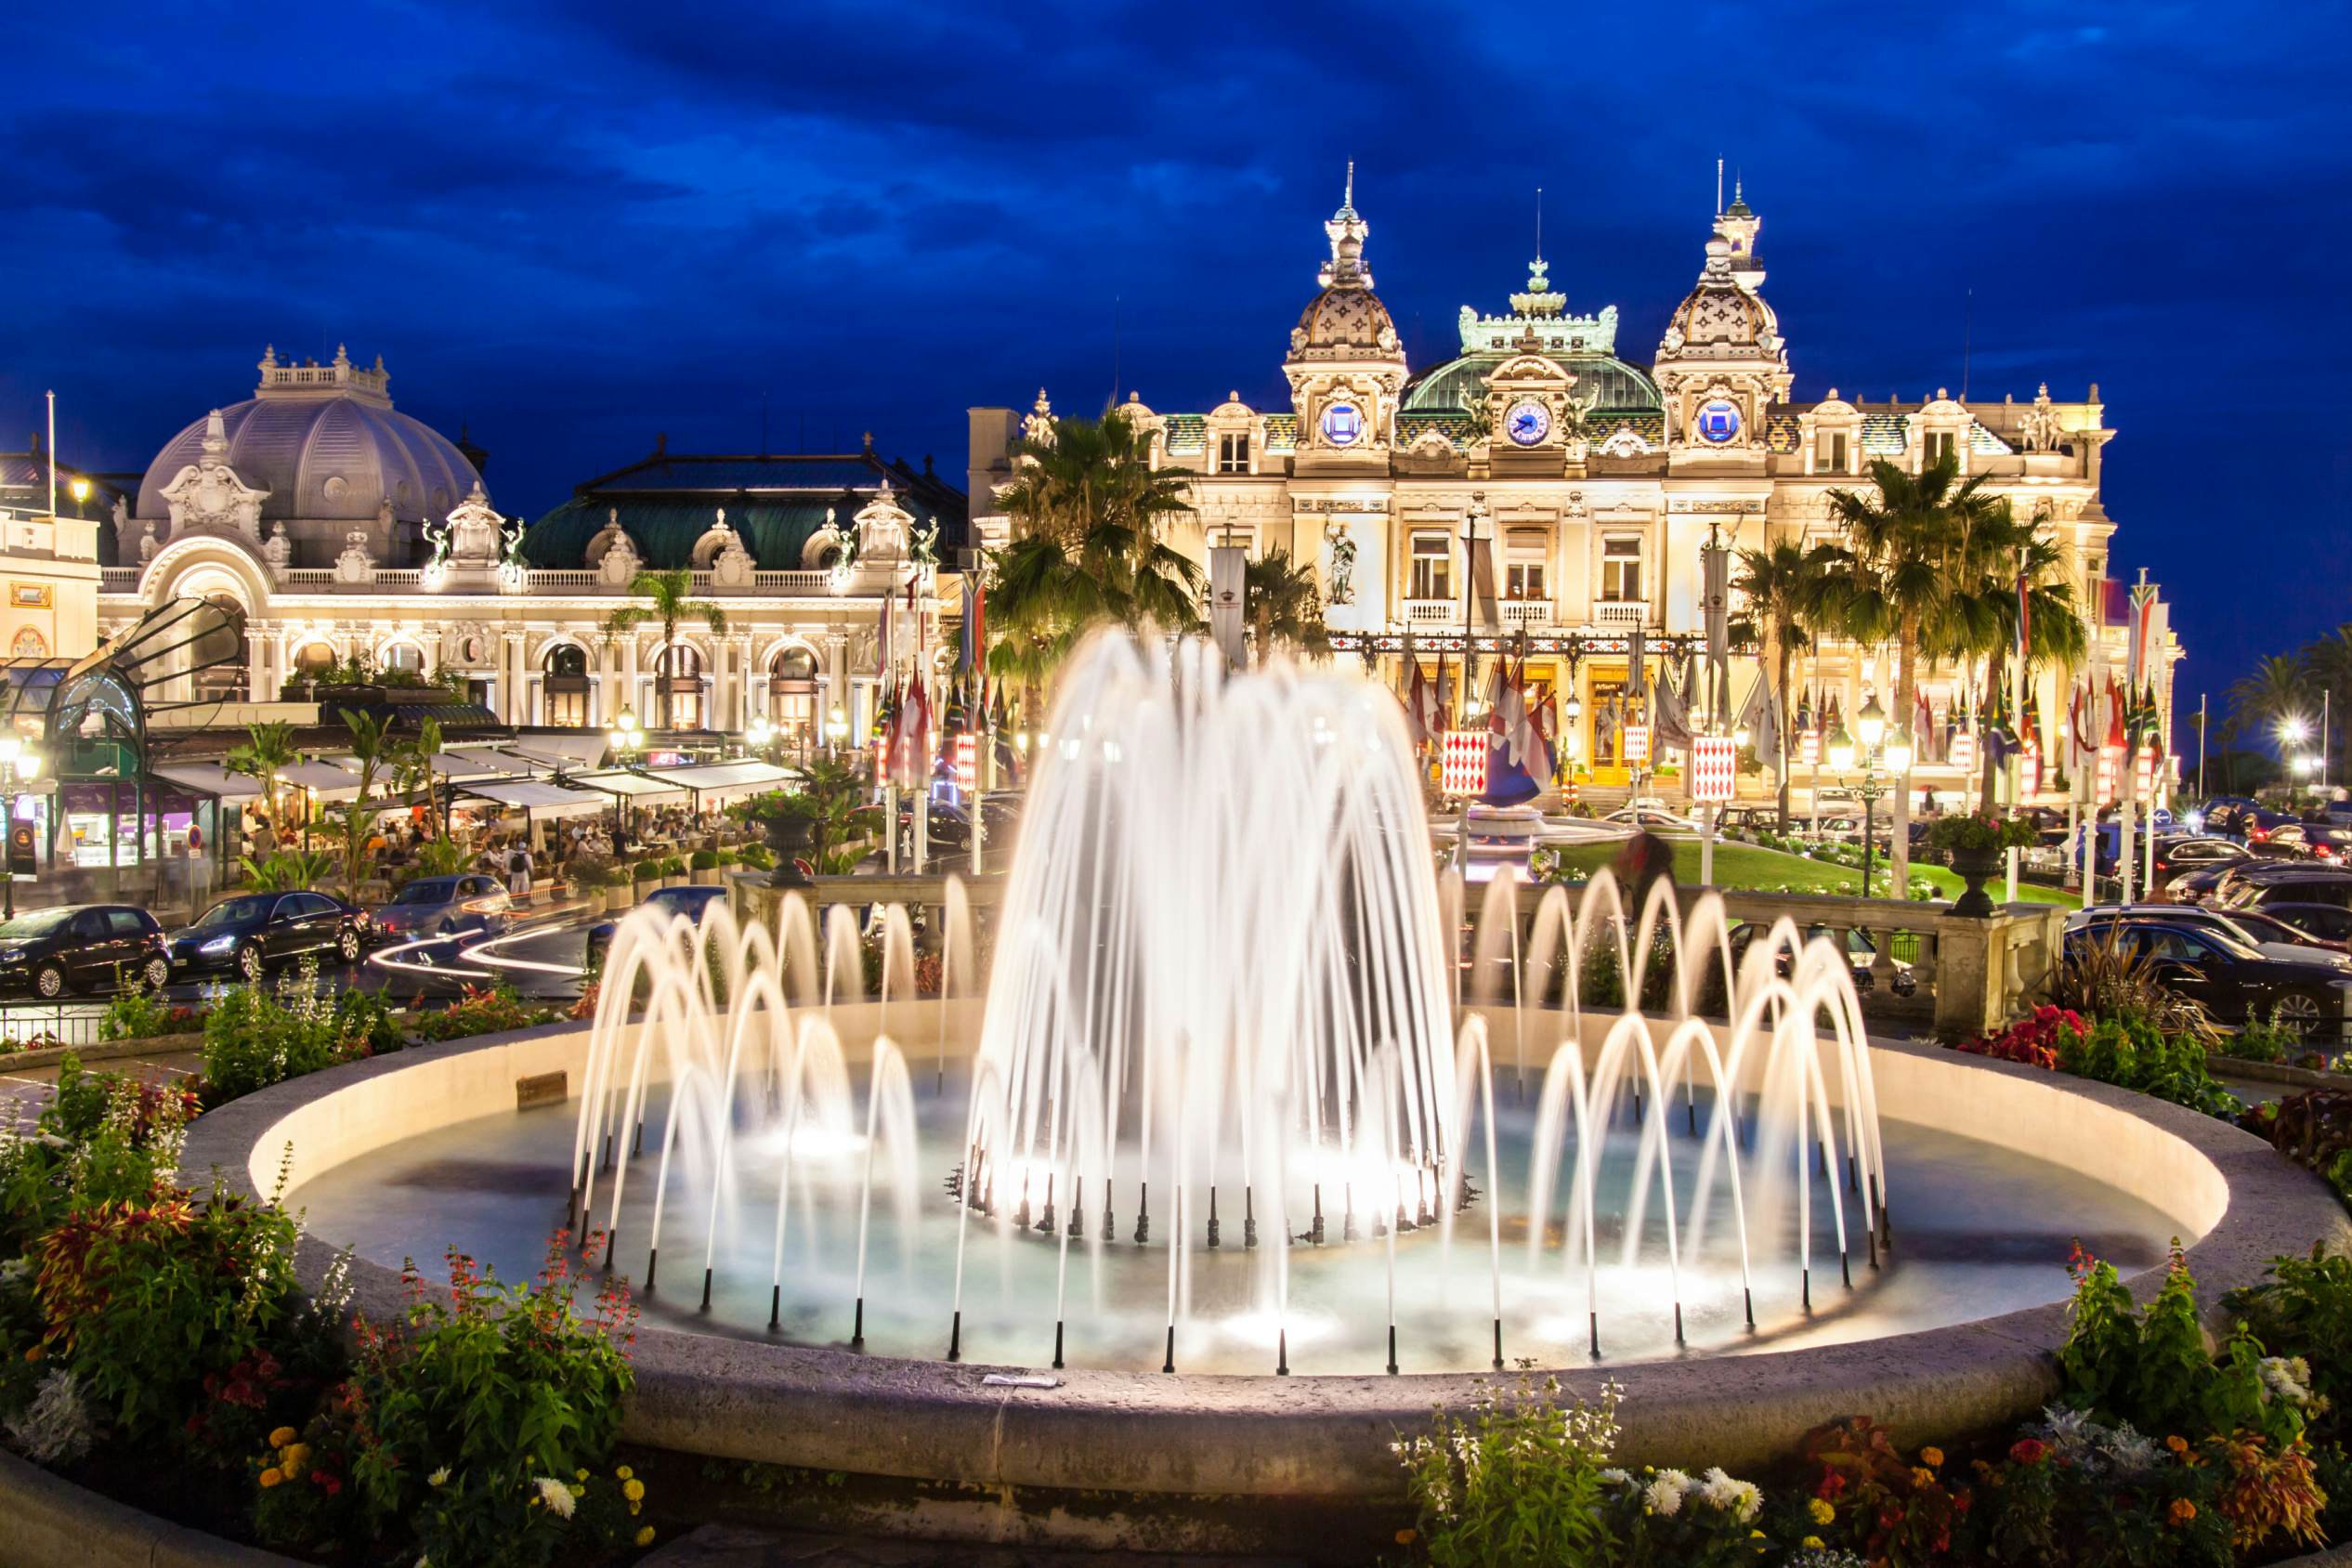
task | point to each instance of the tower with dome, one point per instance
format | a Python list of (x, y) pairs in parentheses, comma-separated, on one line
[(1543, 490)]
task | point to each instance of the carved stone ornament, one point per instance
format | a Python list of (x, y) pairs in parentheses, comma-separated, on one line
[(620, 563), (733, 566), (1037, 424), (208, 494), (883, 528), (278, 551), (2038, 427), (475, 530), (1339, 576), (147, 544), (356, 565)]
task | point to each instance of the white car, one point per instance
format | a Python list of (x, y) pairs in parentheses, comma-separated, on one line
[(1648, 815)]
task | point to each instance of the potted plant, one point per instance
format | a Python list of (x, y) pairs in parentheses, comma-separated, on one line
[(673, 870), (648, 879), (1975, 843), (703, 867)]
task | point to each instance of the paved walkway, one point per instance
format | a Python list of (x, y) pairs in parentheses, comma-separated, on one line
[(24, 1091), (729, 1546)]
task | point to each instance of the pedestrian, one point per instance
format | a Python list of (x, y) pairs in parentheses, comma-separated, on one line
[(518, 870)]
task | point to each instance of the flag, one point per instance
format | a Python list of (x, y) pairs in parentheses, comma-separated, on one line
[(1416, 706), (975, 650), (1445, 689), (2025, 616)]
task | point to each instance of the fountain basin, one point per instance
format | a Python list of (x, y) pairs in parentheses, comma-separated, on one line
[(1162, 1443)]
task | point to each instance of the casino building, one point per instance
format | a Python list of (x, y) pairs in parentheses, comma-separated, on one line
[(331, 526), (1579, 486)]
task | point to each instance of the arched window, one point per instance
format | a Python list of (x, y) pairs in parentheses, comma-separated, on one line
[(314, 658), (565, 667), (679, 661), (679, 683), (791, 686), (794, 664), (218, 656)]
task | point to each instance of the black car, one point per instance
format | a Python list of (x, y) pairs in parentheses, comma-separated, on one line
[(1862, 954), (252, 931), (2230, 980), (2274, 835), (948, 830), (2176, 854), (83, 947), (2303, 883), (689, 901), (2330, 923)]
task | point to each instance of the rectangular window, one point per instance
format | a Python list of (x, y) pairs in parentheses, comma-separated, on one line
[(1232, 454), (567, 709), (1433, 566), (1621, 568), (1941, 445), (1831, 457), (1524, 580)]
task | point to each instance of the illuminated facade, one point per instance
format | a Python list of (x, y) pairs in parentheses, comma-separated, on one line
[(1591, 484)]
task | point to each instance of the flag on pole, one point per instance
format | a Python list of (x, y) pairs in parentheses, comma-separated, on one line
[(1445, 689), (1417, 705)]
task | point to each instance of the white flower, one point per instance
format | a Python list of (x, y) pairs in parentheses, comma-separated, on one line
[(1665, 1494), (556, 1495), (2284, 1379), (1747, 1501), (55, 1428), (439, 1478), (1614, 1477)]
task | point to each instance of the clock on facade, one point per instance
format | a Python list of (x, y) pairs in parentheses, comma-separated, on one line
[(1527, 422), (1342, 424), (1719, 420)]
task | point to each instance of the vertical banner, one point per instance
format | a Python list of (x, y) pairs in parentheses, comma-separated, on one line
[(1226, 565), (1715, 563), (1714, 760), (1463, 772)]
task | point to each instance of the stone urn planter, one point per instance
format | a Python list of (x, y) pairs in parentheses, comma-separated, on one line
[(619, 898), (1975, 867), (793, 839), (646, 890), (704, 876)]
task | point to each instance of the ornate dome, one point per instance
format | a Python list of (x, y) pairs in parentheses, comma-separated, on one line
[(1347, 319), (1720, 319), (326, 443), (1615, 386)]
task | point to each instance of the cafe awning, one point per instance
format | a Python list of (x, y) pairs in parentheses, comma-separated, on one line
[(714, 782), (566, 752), (634, 786), (202, 778), (537, 796)]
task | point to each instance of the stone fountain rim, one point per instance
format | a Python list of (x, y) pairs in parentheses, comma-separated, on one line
[(1322, 1434)]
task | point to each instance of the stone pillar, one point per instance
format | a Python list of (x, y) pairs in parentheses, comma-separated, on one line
[(257, 663), (629, 678), (515, 702)]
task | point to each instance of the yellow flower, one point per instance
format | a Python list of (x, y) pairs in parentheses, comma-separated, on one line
[(271, 1477), (1407, 1537), (1922, 1477), (1931, 1457), (282, 1436), (632, 1490), (577, 1490), (1811, 1543), (1820, 1511), (625, 1472), (637, 1508), (2182, 1511), (296, 1454), (644, 1536), (2177, 1444), (579, 1475)]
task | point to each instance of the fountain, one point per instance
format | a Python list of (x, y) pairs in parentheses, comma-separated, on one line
[(1223, 986)]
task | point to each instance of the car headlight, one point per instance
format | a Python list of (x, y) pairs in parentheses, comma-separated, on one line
[(218, 945), (11, 955)]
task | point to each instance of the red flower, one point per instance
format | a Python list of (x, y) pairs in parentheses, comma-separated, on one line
[(1833, 1486), (1961, 1501), (2029, 1451)]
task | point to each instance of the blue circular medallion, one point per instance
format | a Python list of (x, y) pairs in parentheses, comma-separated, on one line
[(1719, 420), (1342, 424)]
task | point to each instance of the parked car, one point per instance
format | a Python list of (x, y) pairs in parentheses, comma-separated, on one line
[(1753, 820), (2232, 981), (2224, 814), (2301, 884), (2322, 922), (689, 901), (1861, 954), (249, 932), (2270, 937), (2178, 853), (83, 947), (2274, 835), (1648, 816), (471, 902), (949, 832)]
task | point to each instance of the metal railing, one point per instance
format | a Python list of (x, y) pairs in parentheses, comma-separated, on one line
[(1526, 612), (1621, 612), (118, 579)]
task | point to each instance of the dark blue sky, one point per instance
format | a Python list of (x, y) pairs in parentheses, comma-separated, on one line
[(572, 226)]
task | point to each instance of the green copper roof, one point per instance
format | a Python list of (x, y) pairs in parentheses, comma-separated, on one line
[(1620, 387), (664, 532)]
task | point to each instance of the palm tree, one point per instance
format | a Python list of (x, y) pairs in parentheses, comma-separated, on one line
[(1089, 513), (1994, 551), (1786, 585), (2274, 694), (2327, 662), (377, 751), (1905, 542), (412, 766), (669, 597), (1286, 605), (267, 750)]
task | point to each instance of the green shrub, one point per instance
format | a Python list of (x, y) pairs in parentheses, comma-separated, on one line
[(2151, 1367), (2264, 1039), (136, 1012), (1518, 1481), (484, 1398), (725, 857), (257, 1035), (648, 870), (481, 1011), (2132, 1052), (672, 865), (704, 860), (105, 1138), (758, 856)]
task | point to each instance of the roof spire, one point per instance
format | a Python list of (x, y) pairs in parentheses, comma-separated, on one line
[(1347, 230), (1718, 188), (1346, 199)]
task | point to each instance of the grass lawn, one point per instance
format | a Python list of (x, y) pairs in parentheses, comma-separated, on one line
[(1747, 866)]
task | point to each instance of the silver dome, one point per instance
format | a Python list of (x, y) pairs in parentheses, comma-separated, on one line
[(326, 443)]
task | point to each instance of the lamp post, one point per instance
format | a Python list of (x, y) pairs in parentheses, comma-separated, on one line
[(80, 489), (1873, 748), (836, 731), (760, 735), (19, 764), (625, 735)]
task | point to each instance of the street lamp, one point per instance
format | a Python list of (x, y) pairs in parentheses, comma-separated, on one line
[(625, 735), (837, 728), (19, 764), (80, 489), (760, 733), (1878, 750)]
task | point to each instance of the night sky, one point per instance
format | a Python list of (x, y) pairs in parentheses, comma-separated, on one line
[(570, 227)]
